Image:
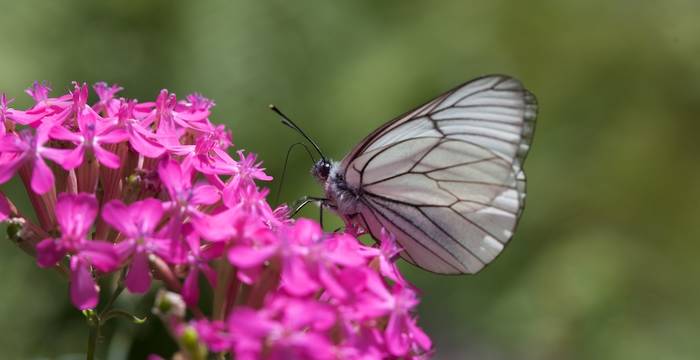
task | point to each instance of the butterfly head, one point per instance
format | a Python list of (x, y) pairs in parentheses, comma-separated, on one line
[(322, 169)]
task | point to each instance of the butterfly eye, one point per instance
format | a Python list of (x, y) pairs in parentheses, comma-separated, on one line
[(322, 169)]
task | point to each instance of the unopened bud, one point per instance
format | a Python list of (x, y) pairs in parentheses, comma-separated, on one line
[(15, 226), (169, 304), (189, 340)]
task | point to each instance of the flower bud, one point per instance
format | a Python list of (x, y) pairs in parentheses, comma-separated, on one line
[(169, 304)]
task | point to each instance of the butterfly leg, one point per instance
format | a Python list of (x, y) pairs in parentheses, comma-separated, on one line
[(301, 203), (320, 213)]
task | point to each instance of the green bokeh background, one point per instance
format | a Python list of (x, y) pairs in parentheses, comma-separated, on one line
[(604, 264)]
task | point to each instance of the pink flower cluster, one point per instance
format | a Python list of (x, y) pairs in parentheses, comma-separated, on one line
[(139, 190)]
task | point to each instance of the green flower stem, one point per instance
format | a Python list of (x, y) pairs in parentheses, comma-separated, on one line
[(113, 298), (94, 324), (95, 320)]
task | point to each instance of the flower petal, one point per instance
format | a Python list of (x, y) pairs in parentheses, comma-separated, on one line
[(217, 227), (296, 279), (61, 133), (172, 177), (56, 155), (246, 322), (138, 279), (42, 177), (48, 253), (75, 214), (245, 256), (8, 167), (11, 143), (117, 214), (74, 158), (190, 289), (113, 136), (84, 292), (306, 231), (105, 157), (396, 335), (343, 250), (329, 281), (147, 213), (101, 254), (419, 336), (204, 194), (141, 140)]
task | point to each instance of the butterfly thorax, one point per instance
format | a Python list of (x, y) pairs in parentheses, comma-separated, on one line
[(341, 197)]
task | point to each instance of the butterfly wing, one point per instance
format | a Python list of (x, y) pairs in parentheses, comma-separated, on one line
[(446, 178)]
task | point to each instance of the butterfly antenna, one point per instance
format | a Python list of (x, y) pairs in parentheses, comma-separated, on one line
[(287, 121), (284, 168)]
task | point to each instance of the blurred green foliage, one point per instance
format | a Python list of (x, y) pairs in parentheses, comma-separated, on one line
[(603, 263)]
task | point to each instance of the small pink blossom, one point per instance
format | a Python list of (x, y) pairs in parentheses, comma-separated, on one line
[(285, 329), (198, 260), (184, 196), (173, 118), (75, 215), (107, 104), (141, 138), (386, 255), (397, 303), (45, 108), (253, 200), (28, 147), (138, 222), (94, 132)]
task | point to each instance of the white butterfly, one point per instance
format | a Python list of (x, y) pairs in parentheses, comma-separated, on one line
[(446, 178)]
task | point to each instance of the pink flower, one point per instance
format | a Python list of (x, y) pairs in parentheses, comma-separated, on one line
[(56, 109), (209, 156), (75, 215), (140, 138), (172, 117), (251, 200), (27, 147), (312, 260), (386, 256), (184, 196), (39, 91), (213, 334), (197, 103), (137, 223), (401, 331), (107, 104), (249, 170), (286, 328), (198, 261), (181, 210), (94, 132)]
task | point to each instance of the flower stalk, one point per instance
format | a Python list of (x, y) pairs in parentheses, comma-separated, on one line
[(94, 333)]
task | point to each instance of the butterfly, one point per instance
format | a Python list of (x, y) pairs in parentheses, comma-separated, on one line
[(446, 179)]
